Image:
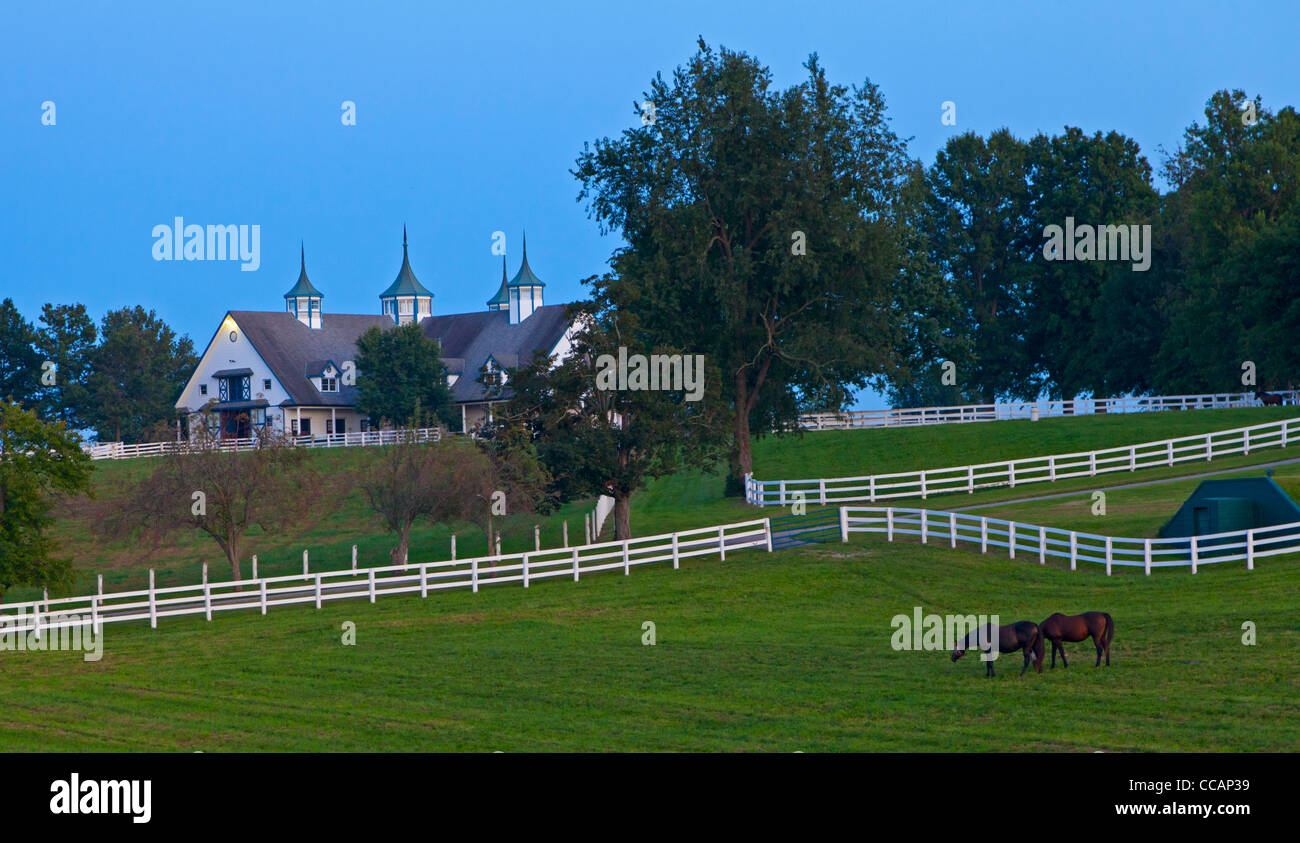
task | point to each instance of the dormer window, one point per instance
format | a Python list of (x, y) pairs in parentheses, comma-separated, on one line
[(329, 384)]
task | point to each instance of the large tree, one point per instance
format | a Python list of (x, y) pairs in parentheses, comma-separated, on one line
[(1094, 326), (66, 338), (1236, 185), (136, 373), (223, 493), (758, 231), (600, 431), (400, 376), (39, 461), (978, 233), (20, 364)]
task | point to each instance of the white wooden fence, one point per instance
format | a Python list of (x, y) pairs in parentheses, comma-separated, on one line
[(121, 450), (968, 478), (960, 414), (318, 588), (1037, 542)]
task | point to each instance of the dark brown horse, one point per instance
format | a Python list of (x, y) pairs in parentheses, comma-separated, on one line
[(1021, 635), (1098, 626), (1269, 399)]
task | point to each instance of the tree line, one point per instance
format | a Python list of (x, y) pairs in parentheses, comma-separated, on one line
[(119, 378)]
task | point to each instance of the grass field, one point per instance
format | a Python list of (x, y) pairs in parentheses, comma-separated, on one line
[(763, 652)]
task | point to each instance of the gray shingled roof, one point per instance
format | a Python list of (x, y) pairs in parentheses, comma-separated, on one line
[(295, 352), (472, 337), (290, 348)]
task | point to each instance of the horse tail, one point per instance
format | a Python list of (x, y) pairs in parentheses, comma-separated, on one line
[(1038, 649), (1110, 628)]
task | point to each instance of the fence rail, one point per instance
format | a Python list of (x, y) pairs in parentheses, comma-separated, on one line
[(1012, 473), (318, 588), (1038, 542), (121, 450), (960, 414)]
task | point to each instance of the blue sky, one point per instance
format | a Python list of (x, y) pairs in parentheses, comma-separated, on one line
[(469, 118)]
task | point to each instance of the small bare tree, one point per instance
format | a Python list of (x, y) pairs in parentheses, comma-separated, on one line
[(437, 482), (222, 492)]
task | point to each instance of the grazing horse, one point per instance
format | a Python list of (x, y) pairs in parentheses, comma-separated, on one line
[(1021, 635), (1096, 625), (1269, 399)]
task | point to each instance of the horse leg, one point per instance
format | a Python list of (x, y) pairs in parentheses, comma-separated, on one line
[(1096, 640), (1055, 644), (1061, 644), (1028, 655)]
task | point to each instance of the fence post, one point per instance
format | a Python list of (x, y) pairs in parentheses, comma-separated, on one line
[(871, 488), (424, 579), (564, 533), (1042, 545), (1011, 538), (782, 487), (627, 565), (94, 606), (586, 524), (821, 489), (153, 602), (844, 524), (767, 532), (889, 523), (1092, 464), (923, 498), (1051, 468), (453, 547), (318, 591), (1245, 442), (1209, 447), (675, 555), (1169, 451), (473, 574), (254, 566), (207, 592), (575, 564), (537, 537), (1011, 473), (354, 557), (371, 581), (304, 563), (1146, 555), (722, 544), (1108, 555), (924, 524), (1074, 551), (1132, 458), (1250, 550), (984, 535), (525, 570), (970, 479), (952, 529), (1195, 553), (263, 593)]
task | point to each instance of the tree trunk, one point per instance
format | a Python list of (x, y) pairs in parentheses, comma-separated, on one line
[(398, 554), (232, 554), (622, 515), (742, 459)]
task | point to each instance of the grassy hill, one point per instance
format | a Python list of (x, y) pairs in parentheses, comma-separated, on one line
[(764, 652), (689, 499)]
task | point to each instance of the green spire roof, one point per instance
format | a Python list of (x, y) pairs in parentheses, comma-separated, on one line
[(406, 284), (525, 277), (303, 287), (502, 297)]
